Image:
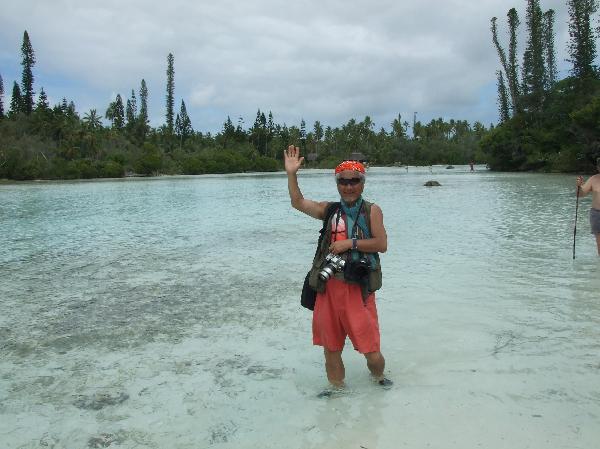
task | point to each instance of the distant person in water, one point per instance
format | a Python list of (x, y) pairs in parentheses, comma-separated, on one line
[(592, 185), (472, 164), (345, 304)]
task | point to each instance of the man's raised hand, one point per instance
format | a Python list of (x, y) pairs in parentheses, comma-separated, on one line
[(292, 159)]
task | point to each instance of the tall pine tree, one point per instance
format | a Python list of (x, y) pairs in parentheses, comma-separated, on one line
[(502, 97), (1, 98), (582, 46), (270, 130), (513, 66), (119, 120), (143, 116), (185, 124), (27, 77), (303, 135), (16, 102), (178, 129), (318, 133), (131, 111), (42, 102), (256, 131), (508, 64), (116, 114), (549, 53), (533, 59), (170, 92)]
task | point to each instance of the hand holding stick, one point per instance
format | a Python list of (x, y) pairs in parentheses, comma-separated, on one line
[(576, 210)]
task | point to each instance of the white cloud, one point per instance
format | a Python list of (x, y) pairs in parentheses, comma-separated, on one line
[(204, 96), (327, 61)]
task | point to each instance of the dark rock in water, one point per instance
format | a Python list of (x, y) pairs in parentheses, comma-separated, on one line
[(432, 184), (99, 401), (450, 166)]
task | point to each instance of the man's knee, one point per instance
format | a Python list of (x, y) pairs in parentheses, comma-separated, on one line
[(376, 355), (332, 355), (375, 360)]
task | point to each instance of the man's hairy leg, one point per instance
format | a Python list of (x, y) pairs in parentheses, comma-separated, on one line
[(334, 366)]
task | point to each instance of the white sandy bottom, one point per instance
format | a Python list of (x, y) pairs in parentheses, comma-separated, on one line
[(124, 324), (232, 388)]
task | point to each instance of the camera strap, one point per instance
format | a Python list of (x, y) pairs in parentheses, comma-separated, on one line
[(354, 233), (354, 227)]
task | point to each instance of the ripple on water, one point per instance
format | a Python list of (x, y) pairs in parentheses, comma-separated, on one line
[(141, 301)]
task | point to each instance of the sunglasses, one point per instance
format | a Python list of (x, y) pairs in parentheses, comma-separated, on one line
[(349, 181)]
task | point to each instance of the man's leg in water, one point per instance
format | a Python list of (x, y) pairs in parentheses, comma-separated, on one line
[(334, 366), (598, 243), (376, 364)]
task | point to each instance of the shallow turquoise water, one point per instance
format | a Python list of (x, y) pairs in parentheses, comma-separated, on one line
[(164, 313)]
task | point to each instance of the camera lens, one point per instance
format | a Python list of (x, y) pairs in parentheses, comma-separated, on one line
[(326, 272), (361, 271)]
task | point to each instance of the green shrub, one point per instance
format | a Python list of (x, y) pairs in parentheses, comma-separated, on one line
[(110, 169), (193, 165), (266, 164), (87, 168), (62, 169), (150, 162)]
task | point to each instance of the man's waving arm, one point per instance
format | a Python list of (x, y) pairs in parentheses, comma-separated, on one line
[(293, 161)]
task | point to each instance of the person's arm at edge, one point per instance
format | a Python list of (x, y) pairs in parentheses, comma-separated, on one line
[(584, 188)]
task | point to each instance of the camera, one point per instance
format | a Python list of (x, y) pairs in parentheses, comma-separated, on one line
[(354, 270), (357, 270), (333, 264)]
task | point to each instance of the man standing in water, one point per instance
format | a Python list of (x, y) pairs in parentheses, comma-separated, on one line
[(345, 304), (592, 185)]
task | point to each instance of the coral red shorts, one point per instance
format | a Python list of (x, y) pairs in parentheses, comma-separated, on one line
[(340, 312)]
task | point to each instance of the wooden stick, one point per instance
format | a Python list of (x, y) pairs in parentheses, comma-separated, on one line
[(575, 227)]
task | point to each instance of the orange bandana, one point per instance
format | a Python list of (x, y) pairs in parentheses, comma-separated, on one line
[(350, 165)]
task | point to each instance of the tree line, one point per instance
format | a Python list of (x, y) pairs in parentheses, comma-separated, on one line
[(38, 140), (547, 124)]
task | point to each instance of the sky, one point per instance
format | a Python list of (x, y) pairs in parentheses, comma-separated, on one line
[(313, 60)]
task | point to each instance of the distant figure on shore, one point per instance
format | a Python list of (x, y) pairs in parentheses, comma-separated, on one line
[(592, 185), (472, 164), (346, 270)]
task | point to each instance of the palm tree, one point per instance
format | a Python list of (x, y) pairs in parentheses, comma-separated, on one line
[(92, 122)]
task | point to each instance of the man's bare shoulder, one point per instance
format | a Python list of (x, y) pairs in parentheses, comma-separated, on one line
[(595, 181), (376, 207), (376, 211)]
